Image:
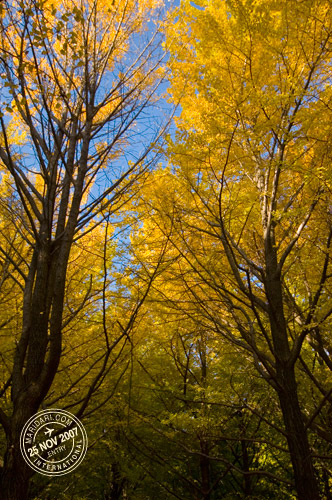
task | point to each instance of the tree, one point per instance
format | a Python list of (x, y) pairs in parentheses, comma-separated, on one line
[(247, 209), (78, 78), (194, 396)]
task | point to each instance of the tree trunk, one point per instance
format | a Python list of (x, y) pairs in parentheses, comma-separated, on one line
[(246, 468), (116, 485), (33, 372), (204, 464), (14, 481), (304, 475), (15, 474), (298, 444)]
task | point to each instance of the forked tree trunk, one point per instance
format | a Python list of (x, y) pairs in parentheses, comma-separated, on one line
[(34, 369)]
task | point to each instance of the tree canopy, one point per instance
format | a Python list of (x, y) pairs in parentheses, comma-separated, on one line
[(172, 288)]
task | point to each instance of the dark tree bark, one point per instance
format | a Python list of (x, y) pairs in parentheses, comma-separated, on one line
[(204, 464), (286, 386)]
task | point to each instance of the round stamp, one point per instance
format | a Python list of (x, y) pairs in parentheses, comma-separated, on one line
[(53, 442)]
